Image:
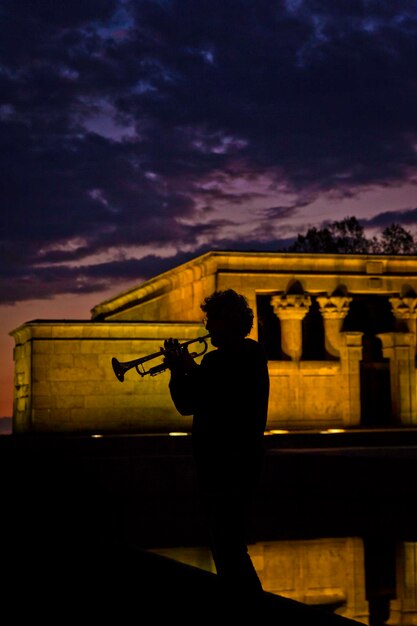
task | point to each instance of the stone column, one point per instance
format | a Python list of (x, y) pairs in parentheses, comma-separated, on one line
[(399, 348), (291, 310), (403, 609), (334, 310), (408, 592), (350, 389), (405, 312)]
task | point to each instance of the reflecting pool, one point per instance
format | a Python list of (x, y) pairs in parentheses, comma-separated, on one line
[(372, 582), (336, 528)]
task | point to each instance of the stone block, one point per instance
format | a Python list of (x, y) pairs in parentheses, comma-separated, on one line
[(52, 361), (44, 402), (97, 402), (43, 347)]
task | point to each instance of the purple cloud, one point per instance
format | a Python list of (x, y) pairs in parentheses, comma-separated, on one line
[(117, 116)]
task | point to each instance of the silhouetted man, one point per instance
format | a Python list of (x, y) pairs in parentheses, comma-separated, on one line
[(228, 396)]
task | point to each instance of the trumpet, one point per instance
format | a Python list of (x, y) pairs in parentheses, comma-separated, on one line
[(120, 368)]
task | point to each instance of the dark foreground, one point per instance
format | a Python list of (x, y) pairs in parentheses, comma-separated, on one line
[(124, 585), (79, 514)]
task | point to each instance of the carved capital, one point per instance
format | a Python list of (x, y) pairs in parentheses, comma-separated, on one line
[(291, 306), (334, 307), (404, 308)]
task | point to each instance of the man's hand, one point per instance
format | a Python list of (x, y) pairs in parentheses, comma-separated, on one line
[(177, 357)]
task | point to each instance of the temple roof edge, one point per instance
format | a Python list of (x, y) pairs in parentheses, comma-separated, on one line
[(223, 260)]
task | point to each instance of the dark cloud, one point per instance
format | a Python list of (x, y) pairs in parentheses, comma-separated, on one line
[(406, 218), (124, 123), (46, 282), (281, 212)]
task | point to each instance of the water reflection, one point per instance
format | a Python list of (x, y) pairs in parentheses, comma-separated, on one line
[(371, 581)]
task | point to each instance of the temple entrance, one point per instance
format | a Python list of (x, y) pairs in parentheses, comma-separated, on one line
[(371, 315), (375, 393), (269, 329), (313, 334)]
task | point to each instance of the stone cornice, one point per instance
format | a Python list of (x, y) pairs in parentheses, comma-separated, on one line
[(85, 329), (214, 262)]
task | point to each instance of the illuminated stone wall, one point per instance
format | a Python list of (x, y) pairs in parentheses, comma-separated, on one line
[(64, 380), (73, 385), (318, 572), (325, 572), (302, 395), (173, 296), (22, 382)]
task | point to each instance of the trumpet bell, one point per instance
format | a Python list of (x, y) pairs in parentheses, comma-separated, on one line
[(118, 369)]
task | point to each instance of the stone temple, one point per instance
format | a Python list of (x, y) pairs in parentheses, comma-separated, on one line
[(339, 332)]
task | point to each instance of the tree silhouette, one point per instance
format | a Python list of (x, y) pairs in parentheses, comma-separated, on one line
[(347, 236), (396, 240)]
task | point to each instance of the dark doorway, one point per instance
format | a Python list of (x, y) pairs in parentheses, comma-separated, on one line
[(371, 315), (380, 577), (269, 328), (375, 390), (313, 334)]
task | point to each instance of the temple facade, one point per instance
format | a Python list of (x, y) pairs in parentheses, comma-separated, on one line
[(339, 332)]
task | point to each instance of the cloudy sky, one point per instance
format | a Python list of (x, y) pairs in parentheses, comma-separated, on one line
[(139, 133)]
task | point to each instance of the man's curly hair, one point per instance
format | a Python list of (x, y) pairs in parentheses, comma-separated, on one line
[(232, 308)]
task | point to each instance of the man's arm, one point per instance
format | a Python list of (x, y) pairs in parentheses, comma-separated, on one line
[(182, 387), (183, 376)]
